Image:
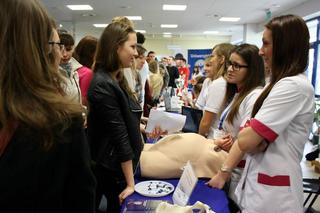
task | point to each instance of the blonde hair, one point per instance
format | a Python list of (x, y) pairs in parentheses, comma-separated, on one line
[(123, 20), (154, 67), (223, 51)]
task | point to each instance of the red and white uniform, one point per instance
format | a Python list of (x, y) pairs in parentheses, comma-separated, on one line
[(201, 101), (272, 180), (244, 114), (214, 99)]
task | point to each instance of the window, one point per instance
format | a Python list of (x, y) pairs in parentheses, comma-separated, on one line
[(313, 71)]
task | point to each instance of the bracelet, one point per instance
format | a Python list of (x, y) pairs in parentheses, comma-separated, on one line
[(225, 169)]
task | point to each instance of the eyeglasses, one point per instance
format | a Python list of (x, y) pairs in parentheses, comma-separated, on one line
[(61, 46), (235, 66)]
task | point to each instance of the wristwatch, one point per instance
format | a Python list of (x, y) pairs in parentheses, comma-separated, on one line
[(225, 169)]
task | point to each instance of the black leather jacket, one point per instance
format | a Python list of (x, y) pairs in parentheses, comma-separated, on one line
[(113, 123)]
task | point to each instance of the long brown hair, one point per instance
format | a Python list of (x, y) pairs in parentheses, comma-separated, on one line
[(290, 53), (107, 59), (85, 50), (254, 78), (29, 83)]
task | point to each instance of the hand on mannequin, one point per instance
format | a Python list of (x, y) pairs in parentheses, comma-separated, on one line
[(225, 142), (156, 133), (219, 180)]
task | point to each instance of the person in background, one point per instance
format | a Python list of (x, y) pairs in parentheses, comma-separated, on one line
[(151, 56), (281, 118), (44, 155), (144, 71), (140, 60), (84, 53), (114, 116), (196, 72), (164, 61), (164, 72), (156, 80), (211, 102), (183, 70), (70, 66), (173, 72), (196, 89), (209, 74)]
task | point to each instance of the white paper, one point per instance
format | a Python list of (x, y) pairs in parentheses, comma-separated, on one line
[(187, 182), (172, 122)]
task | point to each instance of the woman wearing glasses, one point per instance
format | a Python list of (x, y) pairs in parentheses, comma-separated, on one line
[(245, 80), (44, 156), (280, 124)]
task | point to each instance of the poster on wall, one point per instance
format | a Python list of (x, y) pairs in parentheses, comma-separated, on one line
[(196, 58)]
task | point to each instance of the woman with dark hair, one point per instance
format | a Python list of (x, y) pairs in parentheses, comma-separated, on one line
[(279, 128), (114, 116), (245, 80), (44, 157), (84, 54)]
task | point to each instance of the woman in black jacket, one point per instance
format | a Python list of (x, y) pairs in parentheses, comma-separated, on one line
[(114, 116)]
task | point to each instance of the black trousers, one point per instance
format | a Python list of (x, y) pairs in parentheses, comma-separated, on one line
[(110, 185)]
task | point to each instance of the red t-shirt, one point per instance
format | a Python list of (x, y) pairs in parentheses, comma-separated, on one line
[(184, 71)]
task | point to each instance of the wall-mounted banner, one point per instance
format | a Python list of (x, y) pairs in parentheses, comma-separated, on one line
[(196, 58)]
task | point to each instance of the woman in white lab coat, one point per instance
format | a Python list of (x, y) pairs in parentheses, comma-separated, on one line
[(275, 136)]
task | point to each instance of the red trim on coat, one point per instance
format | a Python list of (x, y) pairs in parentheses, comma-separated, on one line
[(241, 164), (263, 130), (277, 180)]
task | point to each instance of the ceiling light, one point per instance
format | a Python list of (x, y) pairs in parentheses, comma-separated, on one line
[(229, 19), (174, 7), (167, 33), (167, 36), (100, 25), (168, 25), (134, 18), (210, 32), (60, 25), (80, 7), (140, 31)]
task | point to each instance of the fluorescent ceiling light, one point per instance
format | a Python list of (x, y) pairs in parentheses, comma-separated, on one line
[(174, 7), (80, 7), (167, 36), (229, 19), (140, 31), (167, 33), (100, 25), (210, 32), (134, 18), (168, 25)]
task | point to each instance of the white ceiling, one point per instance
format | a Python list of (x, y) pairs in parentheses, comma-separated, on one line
[(200, 16)]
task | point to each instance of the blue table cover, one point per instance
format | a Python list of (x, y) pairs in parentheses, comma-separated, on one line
[(215, 198)]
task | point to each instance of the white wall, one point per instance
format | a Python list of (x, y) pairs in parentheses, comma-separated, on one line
[(252, 33), (171, 46)]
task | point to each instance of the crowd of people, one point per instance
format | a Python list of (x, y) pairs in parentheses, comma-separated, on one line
[(72, 117)]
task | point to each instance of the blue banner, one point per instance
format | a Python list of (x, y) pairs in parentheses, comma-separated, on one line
[(196, 58)]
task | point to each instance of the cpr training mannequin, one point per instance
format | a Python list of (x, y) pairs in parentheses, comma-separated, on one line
[(166, 158)]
